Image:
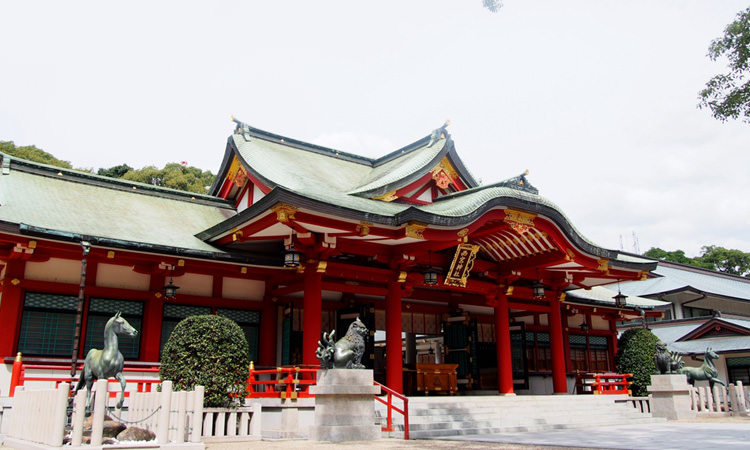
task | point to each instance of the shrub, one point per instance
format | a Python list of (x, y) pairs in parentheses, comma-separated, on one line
[(210, 351), (635, 354)]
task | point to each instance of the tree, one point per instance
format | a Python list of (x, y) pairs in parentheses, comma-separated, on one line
[(32, 153), (728, 95), (635, 354), (677, 256), (720, 259), (115, 172), (210, 351), (174, 176), (735, 262)]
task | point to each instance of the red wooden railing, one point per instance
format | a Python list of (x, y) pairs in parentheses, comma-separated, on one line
[(281, 382), (19, 376), (390, 393), (612, 383)]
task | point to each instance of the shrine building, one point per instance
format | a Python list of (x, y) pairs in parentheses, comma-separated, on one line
[(295, 239)]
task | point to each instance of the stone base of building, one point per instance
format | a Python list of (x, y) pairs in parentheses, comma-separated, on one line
[(670, 397), (344, 406)]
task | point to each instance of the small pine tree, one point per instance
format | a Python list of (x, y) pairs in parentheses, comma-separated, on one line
[(635, 354), (210, 351)]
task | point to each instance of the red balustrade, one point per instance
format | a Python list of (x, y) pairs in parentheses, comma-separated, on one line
[(281, 382), (612, 383), (20, 376)]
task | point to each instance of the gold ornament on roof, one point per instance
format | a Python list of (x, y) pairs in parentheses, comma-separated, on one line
[(284, 212), (387, 197), (445, 168), (603, 266), (415, 230), (363, 228), (519, 221)]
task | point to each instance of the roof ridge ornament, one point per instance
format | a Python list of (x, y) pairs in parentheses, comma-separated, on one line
[(439, 133), (519, 182)]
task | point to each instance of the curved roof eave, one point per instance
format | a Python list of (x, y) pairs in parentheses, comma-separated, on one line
[(282, 195), (57, 235), (229, 151), (458, 164)]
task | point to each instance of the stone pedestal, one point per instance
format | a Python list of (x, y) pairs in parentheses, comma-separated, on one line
[(344, 406), (671, 397)]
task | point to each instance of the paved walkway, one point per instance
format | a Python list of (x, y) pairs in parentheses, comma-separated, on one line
[(726, 433), (662, 436)]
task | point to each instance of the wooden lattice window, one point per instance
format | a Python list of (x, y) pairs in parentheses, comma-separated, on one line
[(47, 325), (538, 352)]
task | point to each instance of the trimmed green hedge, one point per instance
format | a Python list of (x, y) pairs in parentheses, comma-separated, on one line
[(210, 351), (635, 354)]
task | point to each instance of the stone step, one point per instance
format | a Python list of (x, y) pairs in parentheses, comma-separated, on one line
[(502, 421), (462, 415), (442, 432), (625, 409)]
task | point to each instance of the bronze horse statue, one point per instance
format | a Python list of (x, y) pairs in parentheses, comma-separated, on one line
[(707, 370), (108, 362)]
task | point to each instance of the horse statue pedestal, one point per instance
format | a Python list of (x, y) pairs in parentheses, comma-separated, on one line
[(670, 397), (344, 406)]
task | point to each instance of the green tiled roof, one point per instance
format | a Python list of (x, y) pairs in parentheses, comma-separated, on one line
[(70, 202)]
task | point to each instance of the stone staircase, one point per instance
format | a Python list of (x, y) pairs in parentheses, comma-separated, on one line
[(433, 417)]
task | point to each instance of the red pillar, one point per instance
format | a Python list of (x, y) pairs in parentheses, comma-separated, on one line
[(11, 306), (502, 336), (153, 315), (394, 363), (268, 328), (311, 309), (557, 347)]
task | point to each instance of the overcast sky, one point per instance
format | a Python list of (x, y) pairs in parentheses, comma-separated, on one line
[(597, 99)]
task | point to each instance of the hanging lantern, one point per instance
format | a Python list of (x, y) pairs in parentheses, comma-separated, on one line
[(585, 326), (538, 289), (431, 277), (292, 258), (620, 300), (170, 290)]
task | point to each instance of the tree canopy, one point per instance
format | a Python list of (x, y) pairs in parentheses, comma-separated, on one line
[(173, 175), (32, 153), (115, 172), (720, 259), (727, 95), (735, 262)]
